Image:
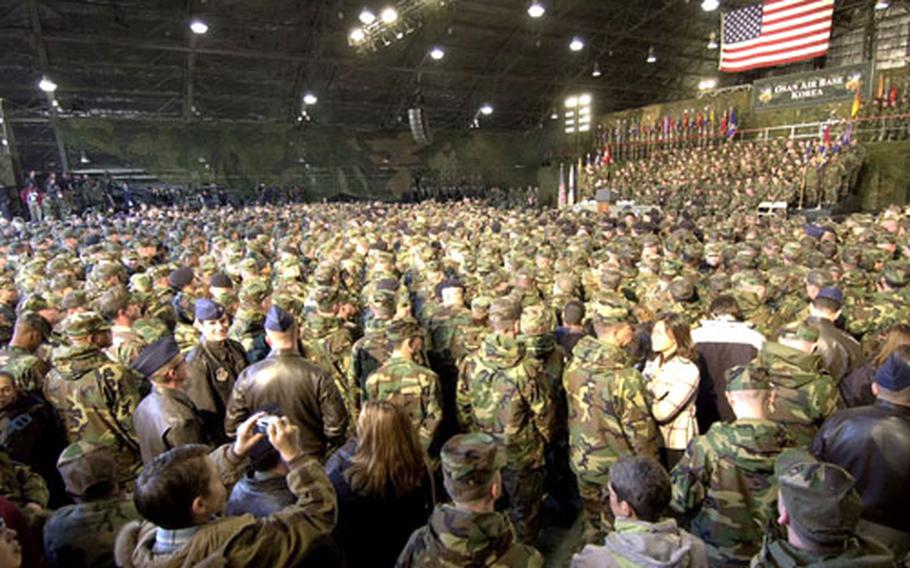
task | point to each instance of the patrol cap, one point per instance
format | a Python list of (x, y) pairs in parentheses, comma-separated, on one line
[(820, 278), (34, 321), (85, 323), (83, 465), (179, 278), (741, 378), (469, 464), (682, 290), (505, 309), (278, 319), (831, 293), (820, 498), (606, 314), (401, 329), (155, 356), (895, 275), (481, 303), (536, 319), (894, 374), (207, 310)]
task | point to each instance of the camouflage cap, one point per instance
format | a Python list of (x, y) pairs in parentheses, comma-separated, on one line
[(820, 278), (682, 289), (820, 498), (401, 329), (469, 464), (895, 274), (383, 299), (481, 303), (537, 319), (32, 303), (792, 250), (84, 323), (74, 299), (740, 378), (505, 309), (324, 274), (83, 465), (608, 313), (141, 282)]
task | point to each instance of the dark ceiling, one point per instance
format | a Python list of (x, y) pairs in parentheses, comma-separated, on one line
[(137, 58)]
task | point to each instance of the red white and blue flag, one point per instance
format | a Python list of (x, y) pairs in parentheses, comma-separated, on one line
[(775, 32)]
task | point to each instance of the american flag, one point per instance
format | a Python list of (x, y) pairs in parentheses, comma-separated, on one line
[(774, 33)]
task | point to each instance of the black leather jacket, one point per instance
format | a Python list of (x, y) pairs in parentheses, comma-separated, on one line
[(873, 444)]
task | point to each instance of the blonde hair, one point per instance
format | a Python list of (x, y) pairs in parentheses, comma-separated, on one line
[(389, 459), (897, 336)]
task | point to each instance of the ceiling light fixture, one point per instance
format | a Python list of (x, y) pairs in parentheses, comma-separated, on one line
[(437, 53), (357, 35), (651, 57), (310, 99), (712, 41), (389, 15), (882, 5), (486, 109), (536, 10), (577, 44), (367, 17), (710, 5), (47, 85), (707, 84), (596, 72), (199, 27), (554, 114)]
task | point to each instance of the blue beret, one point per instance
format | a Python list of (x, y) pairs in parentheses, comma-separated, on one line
[(156, 355), (207, 310), (814, 231), (278, 319), (831, 293), (894, 374)]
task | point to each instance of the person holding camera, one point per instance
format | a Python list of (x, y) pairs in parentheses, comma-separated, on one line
[(181, 495)]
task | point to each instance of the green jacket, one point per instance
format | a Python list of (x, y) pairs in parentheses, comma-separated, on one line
[(502, 393), (414, 389), (725, 483), (609, 412), (454, 538)]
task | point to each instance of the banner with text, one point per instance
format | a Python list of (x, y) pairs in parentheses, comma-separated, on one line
[(812, 88)]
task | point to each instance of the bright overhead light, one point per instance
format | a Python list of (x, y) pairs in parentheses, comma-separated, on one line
[(882, 5), (389, 15), (710, 5), (596, 72), (577, 44), (310, 99), (199, 27), (651, 57), (47, 85), (366, 17), (707, 84), (83, 159), (357, 35), (712, 41), (437, 53), (584, 100), (536, 10), (486, 110), (571, 102)]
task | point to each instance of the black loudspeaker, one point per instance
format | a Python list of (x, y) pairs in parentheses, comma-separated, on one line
[(420, 128)]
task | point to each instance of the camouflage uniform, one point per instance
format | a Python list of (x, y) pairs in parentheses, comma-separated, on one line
[(821, 501), (454, 537), (805, 393), (502, 393), (329, 343), (27, 369), (415, 389), (96, 397), (20, 484), (609, 417), (127, 344), (82, 535)]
